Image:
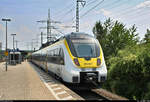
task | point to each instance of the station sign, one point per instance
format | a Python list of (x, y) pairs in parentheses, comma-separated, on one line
[(6, 53)]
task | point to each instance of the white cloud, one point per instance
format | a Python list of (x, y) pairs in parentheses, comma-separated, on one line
[(26, 30), (87, 26), (104, 12), (143, 4)]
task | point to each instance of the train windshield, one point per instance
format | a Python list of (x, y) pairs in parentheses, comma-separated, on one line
[(84, 47)]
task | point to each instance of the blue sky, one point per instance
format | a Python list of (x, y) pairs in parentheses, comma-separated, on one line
[(25, 13)]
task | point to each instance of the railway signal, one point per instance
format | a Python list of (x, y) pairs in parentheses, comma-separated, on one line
[(6, 53)]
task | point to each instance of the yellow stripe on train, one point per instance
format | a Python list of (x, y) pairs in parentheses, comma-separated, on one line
[(92, 63)]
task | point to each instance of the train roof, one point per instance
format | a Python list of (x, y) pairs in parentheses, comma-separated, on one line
[(77, 34), (68, 36)]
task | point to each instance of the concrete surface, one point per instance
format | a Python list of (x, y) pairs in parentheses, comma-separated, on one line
[(21, 82)]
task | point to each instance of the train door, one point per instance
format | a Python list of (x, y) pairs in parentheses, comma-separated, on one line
[(42, 59), (46, 59), (61, 53)]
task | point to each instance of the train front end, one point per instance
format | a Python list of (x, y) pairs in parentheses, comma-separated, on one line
[(87, 63)]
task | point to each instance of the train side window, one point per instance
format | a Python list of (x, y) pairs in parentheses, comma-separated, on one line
[(57, 52), (61, 53), (48, 53), (52, 54)]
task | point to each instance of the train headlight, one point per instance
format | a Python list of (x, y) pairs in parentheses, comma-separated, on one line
[(76, 62), (98, 62)]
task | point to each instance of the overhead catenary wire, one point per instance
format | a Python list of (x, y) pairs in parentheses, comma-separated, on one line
[(124, 11), (129, 12), (81, 10), (68, 12), (88, 3), (59, 32), (117, 2), (92, 8), (62, 11), (140, 18)]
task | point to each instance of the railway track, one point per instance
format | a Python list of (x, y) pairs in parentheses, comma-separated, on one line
[(94, 94), (108, 95), (98, 94), (89, 95)]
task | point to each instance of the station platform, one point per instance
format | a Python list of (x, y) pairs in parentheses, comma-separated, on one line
[(21, 82)]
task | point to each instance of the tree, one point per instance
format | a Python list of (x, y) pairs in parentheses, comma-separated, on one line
[(113, 36), (147, 36)]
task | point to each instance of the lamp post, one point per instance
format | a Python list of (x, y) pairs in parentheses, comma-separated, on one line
[(13, 48), (6, 52)]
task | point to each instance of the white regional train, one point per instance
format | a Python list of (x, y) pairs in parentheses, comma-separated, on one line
[(75, 58)]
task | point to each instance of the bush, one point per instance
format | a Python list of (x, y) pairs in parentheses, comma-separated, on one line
[(129, 72)]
